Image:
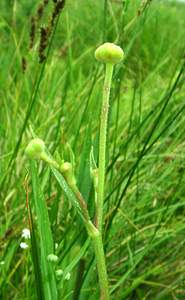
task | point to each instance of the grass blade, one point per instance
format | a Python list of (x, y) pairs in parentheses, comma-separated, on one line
[(35, 258), (46, 241)]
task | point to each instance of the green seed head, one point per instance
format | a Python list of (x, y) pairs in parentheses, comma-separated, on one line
[(109, 53), (35, 148)]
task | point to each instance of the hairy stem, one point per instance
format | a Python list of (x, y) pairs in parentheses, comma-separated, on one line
[(102, 144), (96, 237)]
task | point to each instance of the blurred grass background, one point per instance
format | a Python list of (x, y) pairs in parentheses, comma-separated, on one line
[(60, 99)]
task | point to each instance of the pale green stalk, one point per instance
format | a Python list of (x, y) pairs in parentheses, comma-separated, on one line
[(96, 237), (109, 54), (102, 143)]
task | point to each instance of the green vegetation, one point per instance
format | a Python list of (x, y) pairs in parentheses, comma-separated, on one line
[(51, 88)]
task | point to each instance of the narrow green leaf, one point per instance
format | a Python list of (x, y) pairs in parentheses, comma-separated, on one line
[(67, 191), (75, 261), (46, 241), (84, 178), (35, 258)]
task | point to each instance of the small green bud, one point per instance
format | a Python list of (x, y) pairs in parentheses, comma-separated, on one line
[(52, 258), (35, 148), (109, 53), (94, 175), (66, 167), (67, 170)]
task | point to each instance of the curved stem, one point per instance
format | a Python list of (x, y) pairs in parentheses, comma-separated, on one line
[(102, 143)]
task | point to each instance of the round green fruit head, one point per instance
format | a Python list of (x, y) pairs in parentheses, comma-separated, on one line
[(109, 53), (35, 148)]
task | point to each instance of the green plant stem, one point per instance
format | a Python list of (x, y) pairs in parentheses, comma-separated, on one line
[(102, 144), (96, 237)]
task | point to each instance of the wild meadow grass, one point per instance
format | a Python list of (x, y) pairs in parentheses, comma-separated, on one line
[(51, 88)]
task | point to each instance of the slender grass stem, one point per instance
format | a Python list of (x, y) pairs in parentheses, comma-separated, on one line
[(101, 266), (102, 143), (97, 242)]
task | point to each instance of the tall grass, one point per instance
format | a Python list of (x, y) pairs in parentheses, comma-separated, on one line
[(61, 99)]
